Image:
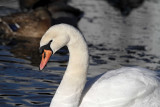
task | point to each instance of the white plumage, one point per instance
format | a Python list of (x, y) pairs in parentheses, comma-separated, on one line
[(124, 87)]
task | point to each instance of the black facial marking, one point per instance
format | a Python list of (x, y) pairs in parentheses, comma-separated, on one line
[(46, 47)]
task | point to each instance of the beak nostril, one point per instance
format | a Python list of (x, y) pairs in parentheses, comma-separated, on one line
[(45, 58), (44, 55)]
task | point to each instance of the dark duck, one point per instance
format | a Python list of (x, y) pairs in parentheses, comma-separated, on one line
[(30, 24), (60, 11), (125, 6), (63, 13)]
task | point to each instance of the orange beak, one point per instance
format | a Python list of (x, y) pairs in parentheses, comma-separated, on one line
[(45, 57)]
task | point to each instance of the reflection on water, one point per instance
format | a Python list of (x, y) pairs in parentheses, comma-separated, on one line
[(25, 49), (112, 43)]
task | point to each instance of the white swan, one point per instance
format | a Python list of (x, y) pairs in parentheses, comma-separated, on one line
[(125, 87)]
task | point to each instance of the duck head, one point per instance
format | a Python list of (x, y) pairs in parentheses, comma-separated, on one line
[(31, 24)]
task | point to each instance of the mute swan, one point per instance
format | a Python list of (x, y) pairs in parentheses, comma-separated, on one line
[(124, 87)]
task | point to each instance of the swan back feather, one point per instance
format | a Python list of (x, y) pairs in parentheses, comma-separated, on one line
[(124, 87)]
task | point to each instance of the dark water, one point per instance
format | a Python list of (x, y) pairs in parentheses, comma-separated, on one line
[(113, 42), (23, 84)]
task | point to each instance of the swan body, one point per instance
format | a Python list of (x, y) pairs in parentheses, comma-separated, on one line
[(124, 87)]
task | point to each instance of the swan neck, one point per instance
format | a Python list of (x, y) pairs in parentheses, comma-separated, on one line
[(69, 91)]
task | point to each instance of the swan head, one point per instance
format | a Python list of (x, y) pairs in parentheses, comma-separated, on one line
[(55, 38)]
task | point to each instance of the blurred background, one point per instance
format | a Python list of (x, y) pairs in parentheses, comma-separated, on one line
[(118, 32)]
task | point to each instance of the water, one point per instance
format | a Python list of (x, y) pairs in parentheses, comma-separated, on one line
[(117, 41), (22, 84), (113, 42)]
